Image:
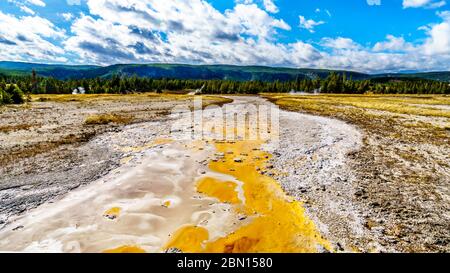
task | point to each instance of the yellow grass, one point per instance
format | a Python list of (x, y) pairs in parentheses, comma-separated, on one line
[(119, 97), (106, 119), (433, 106), (421, 119), (99, 97)]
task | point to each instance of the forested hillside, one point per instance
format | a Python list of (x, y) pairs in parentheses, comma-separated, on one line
[(196, 72), (12, 87)]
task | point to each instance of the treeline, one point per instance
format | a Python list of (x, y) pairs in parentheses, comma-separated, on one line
[(10, 93), (336, 83), (12, 87)]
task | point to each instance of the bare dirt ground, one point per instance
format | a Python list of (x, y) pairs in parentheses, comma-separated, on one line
[(401, 173), (374, 180), (309, 161), (45, 147)]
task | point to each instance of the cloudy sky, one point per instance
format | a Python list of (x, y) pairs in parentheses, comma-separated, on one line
[(363, 35)]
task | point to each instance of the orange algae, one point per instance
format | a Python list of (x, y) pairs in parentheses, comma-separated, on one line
[(112, 213), (160, 141), (189, 239), (125, 249), (225, 192), (166, 204), (279, 223)]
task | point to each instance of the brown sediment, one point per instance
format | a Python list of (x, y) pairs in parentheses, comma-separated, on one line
[(56, 120), (138, 207), (241, 208), (46, 146), (125, 249)]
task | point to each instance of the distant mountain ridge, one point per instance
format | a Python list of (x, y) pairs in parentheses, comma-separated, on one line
[(199, 72)]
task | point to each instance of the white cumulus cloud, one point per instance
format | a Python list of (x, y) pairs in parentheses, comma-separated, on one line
[(176, 30), (193, 31), (27, 10), (309, 24), (28, 38), (270, 6), (438, 41), (36, 2), (393, 44), (423, 3), (67, 16)]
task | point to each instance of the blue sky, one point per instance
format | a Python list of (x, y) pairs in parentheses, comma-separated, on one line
[(363, 35)]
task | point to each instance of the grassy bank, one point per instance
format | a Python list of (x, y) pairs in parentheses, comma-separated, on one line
[(50, 121), (412, 118)]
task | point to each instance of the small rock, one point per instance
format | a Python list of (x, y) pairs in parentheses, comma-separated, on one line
[(26, 187), (340, 247), (359, 193), (18, 228), (111, 217), (302, 190)]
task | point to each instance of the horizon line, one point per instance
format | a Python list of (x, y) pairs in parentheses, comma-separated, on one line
[(231, 65)]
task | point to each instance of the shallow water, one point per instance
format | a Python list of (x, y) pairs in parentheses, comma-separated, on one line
[(170, 198)]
